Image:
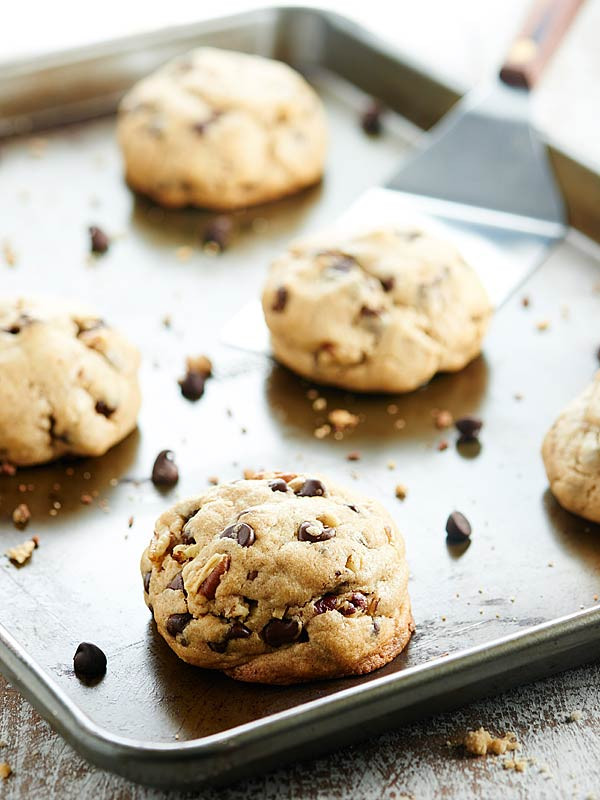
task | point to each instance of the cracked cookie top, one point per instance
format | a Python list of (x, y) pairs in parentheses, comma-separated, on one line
[(69, 382), (250, 570), (379, 311), (222, 130)]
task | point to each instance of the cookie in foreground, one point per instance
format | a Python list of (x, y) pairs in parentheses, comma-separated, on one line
[(379, 311), (279, 579), (69, 382), (222, 130), (571, 453)]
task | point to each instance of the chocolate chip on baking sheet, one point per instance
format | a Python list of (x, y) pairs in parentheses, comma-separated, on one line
[(281, 298), (99, 241), (164, 471), (469, 427), (314, 531), (89, 661), (192, 385), (241, 532), (278, 485), (177, 623), (218, 232), (458, 528), (312, 487), (371, 119), (278, 632)]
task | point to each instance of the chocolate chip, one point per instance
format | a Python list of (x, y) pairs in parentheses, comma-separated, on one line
[(326, 603), (103, 408), (376, 627), (356, 602), (387, 284), (278, 485), (312, 487), (281, 631), (89, 661), (147, 576), (176, 583), (241, 532), (281, 298), (177, 623), (469, 427), (192, 385), (239, 631), (186, 536), (353, 508), (218, 647), (458, 527), (371, 119), (164, 471), (314, 532), (369, 313), (343, 264), (252, 575), (219, 231), (208, 587), (99, 241), (200, 127)]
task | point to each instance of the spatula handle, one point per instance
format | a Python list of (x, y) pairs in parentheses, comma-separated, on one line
[(539, 37)]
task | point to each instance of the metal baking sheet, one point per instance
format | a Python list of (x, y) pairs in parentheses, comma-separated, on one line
[(519, 602)]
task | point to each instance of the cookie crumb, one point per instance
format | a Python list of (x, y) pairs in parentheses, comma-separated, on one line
[(442, 445), (575, 715), (213, 480), (5, 770), (391, 465), (392, 408), (21, 516), (343, 420), (86, 499), (481, 742), (184, 253), (21, 554), (354, 455), (518, 764), (442, 418), (399, 424), (543, 325), (525, 302), (130, 522), (322, 431), (319, 404), (9, 254), (37, 146), (6, 468), (401, 491)]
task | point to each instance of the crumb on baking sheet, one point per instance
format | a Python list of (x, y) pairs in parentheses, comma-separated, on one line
[(5, 770), (442, 445), (184, 253), (401, 491), (9, 254), (575, 715), (319, 404), (343, 420), (353, 455), (442, 418), (20, 554), (481, 742), (322, 431), (543, 325), (21, 516)]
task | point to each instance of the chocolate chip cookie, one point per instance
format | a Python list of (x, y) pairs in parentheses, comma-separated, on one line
[(69, 382), (279, 579), (222, 130), (381, 311), (571, 453)]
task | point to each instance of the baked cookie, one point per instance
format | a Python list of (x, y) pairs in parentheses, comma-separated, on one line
[(69, 382), (279, 579), (222, 130), (571, 453), (381, 311)]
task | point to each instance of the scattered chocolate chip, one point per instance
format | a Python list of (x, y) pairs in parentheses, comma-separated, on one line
[(314, 532), (252, 575), (99, 241), (177, 583), (281, 298), (312, 487), (281, 631), (326, 603), (177, 623), (164, 471), (241, 532), (218, 647), (192, 385), (469, 427), (387, 284), (210, 584), (458, 527), (239, 631), (219, 232), (278, 485), (147, 576), (371, 119), (89, 661), (102, 408)]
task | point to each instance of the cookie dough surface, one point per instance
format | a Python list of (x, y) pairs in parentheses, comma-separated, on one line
[(68, 382), (279, 579), (571, 453), (222, 130), (381, 311)]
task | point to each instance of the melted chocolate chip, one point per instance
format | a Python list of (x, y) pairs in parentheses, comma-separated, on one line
[(176, 583), (387, 284), (177, 623), (89, 661), (326, 603), (219, 231), (99, 241), (469, 427), (458, 528), (164, 471), (281, 298), (312, 487), (147, 576), (103, 408), (241, 532), (239, 631), (278, 485), (192, 385), (281, 631), (314, 532)]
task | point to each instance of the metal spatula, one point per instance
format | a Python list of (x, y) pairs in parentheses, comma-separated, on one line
[(481, 177)]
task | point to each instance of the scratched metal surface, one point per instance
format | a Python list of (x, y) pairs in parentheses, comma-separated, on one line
[(529, 561)]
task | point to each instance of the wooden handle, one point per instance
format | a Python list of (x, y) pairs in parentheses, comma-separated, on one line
[(537, 40)]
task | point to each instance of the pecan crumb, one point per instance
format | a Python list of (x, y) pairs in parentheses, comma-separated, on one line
[(21, 515)]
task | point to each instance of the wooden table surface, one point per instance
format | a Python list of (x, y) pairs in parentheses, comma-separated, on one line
[(412, 762)]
